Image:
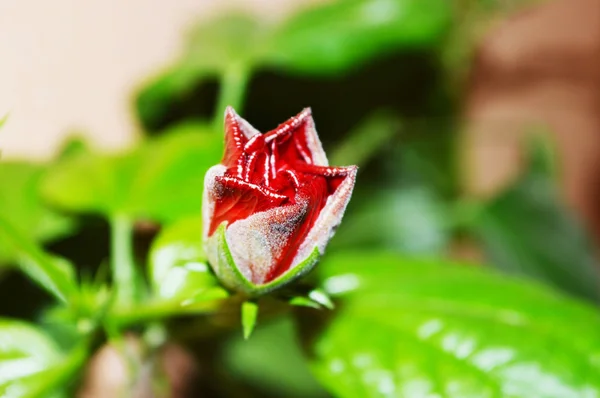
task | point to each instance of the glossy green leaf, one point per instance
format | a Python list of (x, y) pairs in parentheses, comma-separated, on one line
[(339, 35), (415, 328), (178, 266), (54, 274), (26, 356), (271, 361), (528, 230), (23, 207), (161, 180)]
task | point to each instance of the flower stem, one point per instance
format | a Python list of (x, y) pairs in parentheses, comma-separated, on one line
[(147, 312), (234, 81), (123, 266)]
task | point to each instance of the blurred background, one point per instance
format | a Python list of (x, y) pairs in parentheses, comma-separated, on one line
[(69, 66), (476, 123)]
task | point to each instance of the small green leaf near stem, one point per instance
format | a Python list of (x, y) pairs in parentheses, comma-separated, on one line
[(55, 275)]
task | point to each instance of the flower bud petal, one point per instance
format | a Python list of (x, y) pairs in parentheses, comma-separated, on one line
[(272, 204)]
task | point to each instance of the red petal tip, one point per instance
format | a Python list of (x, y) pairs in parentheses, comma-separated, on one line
[(230, 113)]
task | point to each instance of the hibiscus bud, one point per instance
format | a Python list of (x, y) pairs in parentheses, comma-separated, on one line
[(272, 204)]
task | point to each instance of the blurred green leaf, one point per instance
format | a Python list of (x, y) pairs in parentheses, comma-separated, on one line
[(178, 266), (173, 85), (327, 38), (213, 48), (180, 277), (161, 180), (408, 220), (229, 39), (366, 140), (528, 230), (52, 273), (22, 206), (26, 357), (413, 328), (339, 35), (271, 361), (170, 178)]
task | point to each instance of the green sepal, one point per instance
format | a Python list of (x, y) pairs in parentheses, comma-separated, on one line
[(232, 278), (321, 298), (316, 298), (301, 301), (249, 316)]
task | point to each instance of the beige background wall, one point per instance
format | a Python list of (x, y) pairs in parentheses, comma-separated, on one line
[(72, 64)]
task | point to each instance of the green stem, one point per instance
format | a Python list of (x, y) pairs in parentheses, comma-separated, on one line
[(160, 310), (234, 82), (123, 266), (363, 142)]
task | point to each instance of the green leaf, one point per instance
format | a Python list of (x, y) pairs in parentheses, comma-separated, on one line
[(178, 265), (26, 357), (181, 279), (363, 142), (413, 328), (170, 178), (271, 362), (52, 273), (339, 35), (231, 38), (327, 38), (22, 206), (212, 48), (173, 85), (527, 230), (161, 180)]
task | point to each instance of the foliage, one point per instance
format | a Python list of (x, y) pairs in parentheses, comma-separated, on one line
[(554, 248), (21, 203), (385, 314), (420, 327)]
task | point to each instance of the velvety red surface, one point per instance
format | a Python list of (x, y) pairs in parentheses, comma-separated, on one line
[(270, 170)]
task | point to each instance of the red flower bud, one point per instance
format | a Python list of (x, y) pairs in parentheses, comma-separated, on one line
[(272, 204)]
